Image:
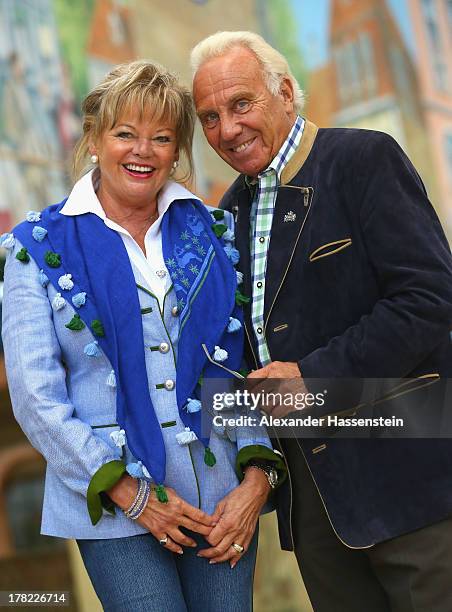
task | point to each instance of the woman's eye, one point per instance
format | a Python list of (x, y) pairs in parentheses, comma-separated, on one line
[(162, 139), (125, 135)]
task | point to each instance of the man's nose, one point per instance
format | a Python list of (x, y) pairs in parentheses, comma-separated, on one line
[(230, 128)]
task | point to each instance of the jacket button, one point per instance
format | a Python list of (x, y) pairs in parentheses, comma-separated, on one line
[(169, 384), (163, 347), (174, 311)]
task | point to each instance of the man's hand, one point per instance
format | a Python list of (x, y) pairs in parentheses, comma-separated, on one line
[(277, 369), (278, 377), (237, 515)]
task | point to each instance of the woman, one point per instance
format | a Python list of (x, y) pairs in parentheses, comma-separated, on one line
[(118, 302)]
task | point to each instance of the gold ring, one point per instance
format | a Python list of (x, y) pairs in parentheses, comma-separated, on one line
[(237, 548)]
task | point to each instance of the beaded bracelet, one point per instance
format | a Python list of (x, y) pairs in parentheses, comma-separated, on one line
[(142, 507), (141, 496), (137, 497), (138, 505)]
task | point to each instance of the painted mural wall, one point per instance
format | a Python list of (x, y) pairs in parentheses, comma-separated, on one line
[(379, 64)]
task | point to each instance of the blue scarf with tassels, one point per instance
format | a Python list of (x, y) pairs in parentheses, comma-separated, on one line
[(82, 254)]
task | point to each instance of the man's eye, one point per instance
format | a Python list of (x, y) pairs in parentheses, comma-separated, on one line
[(242, 105), (210, 120)]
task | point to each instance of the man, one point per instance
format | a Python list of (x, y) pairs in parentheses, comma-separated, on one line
[(355, 283)]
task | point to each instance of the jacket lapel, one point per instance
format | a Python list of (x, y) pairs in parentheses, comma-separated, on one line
[(291, 210), (292, 207)]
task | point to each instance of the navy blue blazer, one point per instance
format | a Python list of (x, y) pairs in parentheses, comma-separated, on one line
[(359, 286)]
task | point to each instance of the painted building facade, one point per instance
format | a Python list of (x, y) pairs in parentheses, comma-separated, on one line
[(374, 80)]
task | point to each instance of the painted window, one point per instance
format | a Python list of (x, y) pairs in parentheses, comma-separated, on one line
[(449, 18), (117, 28), (448, 144), (400, 69), (369, 73), (341, 74), (355, 76), (348, 70), (23, 497), (435, 44)]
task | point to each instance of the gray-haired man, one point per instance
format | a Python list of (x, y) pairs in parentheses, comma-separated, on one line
[(350, 275)]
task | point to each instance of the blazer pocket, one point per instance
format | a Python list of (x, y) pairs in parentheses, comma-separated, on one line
[(330, 248)]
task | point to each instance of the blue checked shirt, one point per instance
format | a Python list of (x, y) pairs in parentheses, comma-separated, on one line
[(261, 218)]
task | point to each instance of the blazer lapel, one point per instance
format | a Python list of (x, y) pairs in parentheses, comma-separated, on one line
[(292, 207)]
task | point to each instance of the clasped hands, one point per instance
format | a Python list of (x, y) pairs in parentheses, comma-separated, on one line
[(233, 521), (235, 517)]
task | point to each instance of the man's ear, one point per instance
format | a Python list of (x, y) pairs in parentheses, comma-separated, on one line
[(287, 93)]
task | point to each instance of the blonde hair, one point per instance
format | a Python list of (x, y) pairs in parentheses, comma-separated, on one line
[(148, 88), (274, 65)]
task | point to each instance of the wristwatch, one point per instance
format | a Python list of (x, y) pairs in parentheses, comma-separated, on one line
[(267, 468)]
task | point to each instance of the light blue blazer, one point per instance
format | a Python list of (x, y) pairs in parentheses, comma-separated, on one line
[(65, 403)]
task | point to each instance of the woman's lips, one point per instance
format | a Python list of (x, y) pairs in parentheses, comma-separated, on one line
[(142, 173)]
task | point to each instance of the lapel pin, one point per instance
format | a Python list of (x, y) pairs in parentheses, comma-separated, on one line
[(290, 216)]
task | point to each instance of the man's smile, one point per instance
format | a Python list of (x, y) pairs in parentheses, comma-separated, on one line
[(243, 146)]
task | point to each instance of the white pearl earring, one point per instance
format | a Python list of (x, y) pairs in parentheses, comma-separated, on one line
[(94, 159), (175, 164)]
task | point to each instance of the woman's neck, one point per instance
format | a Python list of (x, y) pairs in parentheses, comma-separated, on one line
[(135, 218)]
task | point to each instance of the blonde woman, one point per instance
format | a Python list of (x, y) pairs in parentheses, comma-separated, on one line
[(118, 301)]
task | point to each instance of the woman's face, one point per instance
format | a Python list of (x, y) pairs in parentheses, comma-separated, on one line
[(135, 159)]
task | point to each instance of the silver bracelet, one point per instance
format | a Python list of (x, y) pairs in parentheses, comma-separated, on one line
[(138, 496), (137, 504), (139, 509)]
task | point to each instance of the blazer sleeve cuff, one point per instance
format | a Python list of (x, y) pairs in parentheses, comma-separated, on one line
[(96, 498), (258, 451)]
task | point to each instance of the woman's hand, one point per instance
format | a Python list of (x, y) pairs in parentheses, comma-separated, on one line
[(236, 516), (164, 519)]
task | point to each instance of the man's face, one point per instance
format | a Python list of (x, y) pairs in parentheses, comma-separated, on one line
[(242, 121)]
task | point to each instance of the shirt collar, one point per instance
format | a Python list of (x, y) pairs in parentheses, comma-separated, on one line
[(83, 198), (284, 154)]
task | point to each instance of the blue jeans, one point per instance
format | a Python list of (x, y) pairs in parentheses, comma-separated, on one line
[(136, 574)]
